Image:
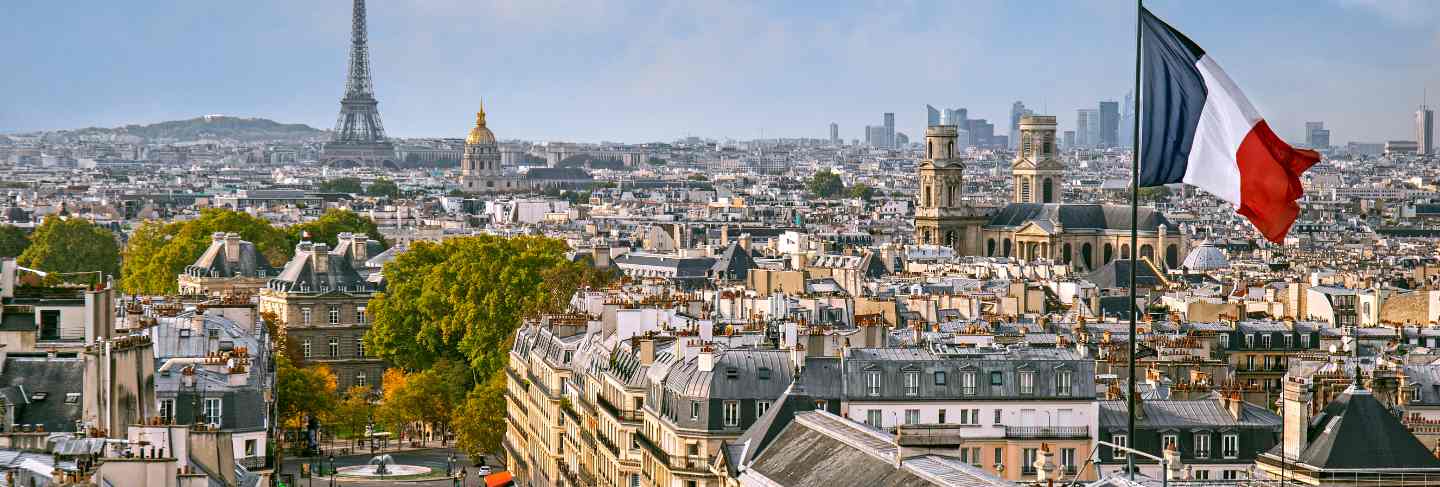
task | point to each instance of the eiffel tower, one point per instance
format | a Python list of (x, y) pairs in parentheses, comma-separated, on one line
[(359, 138)]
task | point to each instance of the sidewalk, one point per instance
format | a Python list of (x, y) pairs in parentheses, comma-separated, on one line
[(344, 448)]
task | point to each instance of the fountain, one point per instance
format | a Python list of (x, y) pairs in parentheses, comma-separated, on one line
[(381, 466)]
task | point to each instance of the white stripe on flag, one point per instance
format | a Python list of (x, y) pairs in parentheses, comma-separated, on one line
[(1224, 123)]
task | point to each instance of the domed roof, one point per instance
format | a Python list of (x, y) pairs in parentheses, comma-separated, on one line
[(480, 134), (1206, 257)]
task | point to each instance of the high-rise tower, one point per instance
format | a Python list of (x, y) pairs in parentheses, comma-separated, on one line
[(359, 138), (1425, 130)]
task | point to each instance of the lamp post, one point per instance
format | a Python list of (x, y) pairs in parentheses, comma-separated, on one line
[(332, 469)]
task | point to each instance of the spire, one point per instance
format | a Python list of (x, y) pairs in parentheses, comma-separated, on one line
[(480, 115)]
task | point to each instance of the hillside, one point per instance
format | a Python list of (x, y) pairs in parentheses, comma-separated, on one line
[(212, 127)]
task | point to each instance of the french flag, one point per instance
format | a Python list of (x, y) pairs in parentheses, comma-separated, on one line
[(1196, 127)]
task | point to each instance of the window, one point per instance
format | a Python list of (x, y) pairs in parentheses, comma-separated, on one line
[(1224, 340), (305, 316), (360, 316), (1230, 475), (250, 448), (1305, 341), (1027, 460), (732, 413), (999, 457), (940, 378), (997, 415), (1230, 446), (967, 383), (334, 314), (912, 416), (970, 416), (1121, 440), (1250, 340), (49, 324), (167, 410), (1062, 383), (761, 407), (764, 373), (1202, 445), (1202, 475), (1067, 460), (360, 347), (912, 383), (212, 411), (997, 378), (360, 379), (1169, 441), (695, 410), (305, 347), (1027, 382), (942, 416), (1289, 341), (334, 347), (873, 418), (1265, 341), (874, 383)]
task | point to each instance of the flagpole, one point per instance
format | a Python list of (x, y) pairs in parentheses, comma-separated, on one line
[(1134, 236)]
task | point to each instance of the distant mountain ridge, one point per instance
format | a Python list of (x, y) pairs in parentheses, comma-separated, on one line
[(212, 127)]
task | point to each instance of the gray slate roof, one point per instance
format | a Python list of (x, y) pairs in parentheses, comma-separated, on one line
[(1357, 419), (1079, 216)]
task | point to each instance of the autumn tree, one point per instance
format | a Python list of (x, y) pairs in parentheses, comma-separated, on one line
[(13, 241), (482, 426), (354, 411), (71, 245), (302, 392)]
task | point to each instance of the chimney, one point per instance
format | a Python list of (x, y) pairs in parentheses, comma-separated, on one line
[(706, 360), (647, 351), (601, 255), (360, 248), (1173, 466), (232, 248), (1233, 404), (745, 241), (320, 258), (724, 235), (1296, 395)]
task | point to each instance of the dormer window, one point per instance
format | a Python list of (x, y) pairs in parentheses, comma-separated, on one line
[(764, 373), (39, 395), (732, 373)]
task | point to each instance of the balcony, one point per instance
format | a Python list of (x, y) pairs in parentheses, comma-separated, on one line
[(541, 386), (614, 450), (517, 401), (652, 448), (617, 413), (1047, 432), (517, 379), (569, 410)]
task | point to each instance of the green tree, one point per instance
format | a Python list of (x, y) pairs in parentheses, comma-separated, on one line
[(333, 223), (862, 191), (342, 185), (383, 187), (13, 241), (481, 428), (1154, 193), (462, 298), (67, 245), (301, 392), (825, 184), (157, 252)]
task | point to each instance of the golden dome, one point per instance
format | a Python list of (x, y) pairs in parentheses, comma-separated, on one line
[(480, 134)]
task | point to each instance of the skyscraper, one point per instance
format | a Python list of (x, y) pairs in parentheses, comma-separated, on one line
[(889, 130), (1109, 124), (1069, 140), (1017, 111), (1316, 136), (1127, 121), (1087, 127), (834, 133), (359, 138), (932, 116), (1425, 129)]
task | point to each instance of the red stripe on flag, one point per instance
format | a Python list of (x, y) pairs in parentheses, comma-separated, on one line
[(1270, 180)]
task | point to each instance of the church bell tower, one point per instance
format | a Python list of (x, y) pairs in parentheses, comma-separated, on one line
[(1037, 171), (942, 216)]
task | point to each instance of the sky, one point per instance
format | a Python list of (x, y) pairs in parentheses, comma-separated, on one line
[(644, 71)]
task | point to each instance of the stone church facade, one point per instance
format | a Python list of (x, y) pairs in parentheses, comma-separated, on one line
[(1037, 224)]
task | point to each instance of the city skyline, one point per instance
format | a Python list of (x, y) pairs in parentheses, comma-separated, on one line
[(750, 67)]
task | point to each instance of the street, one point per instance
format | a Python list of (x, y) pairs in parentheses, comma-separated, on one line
[(434, 458)]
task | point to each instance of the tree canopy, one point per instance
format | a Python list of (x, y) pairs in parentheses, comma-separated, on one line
[(481, 428), (157, 252), (825, 184), (333, 223), (383, 187), (862, 191), (342, 185), (463, 298), (67, 245), (429, 396), (13, 241)]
